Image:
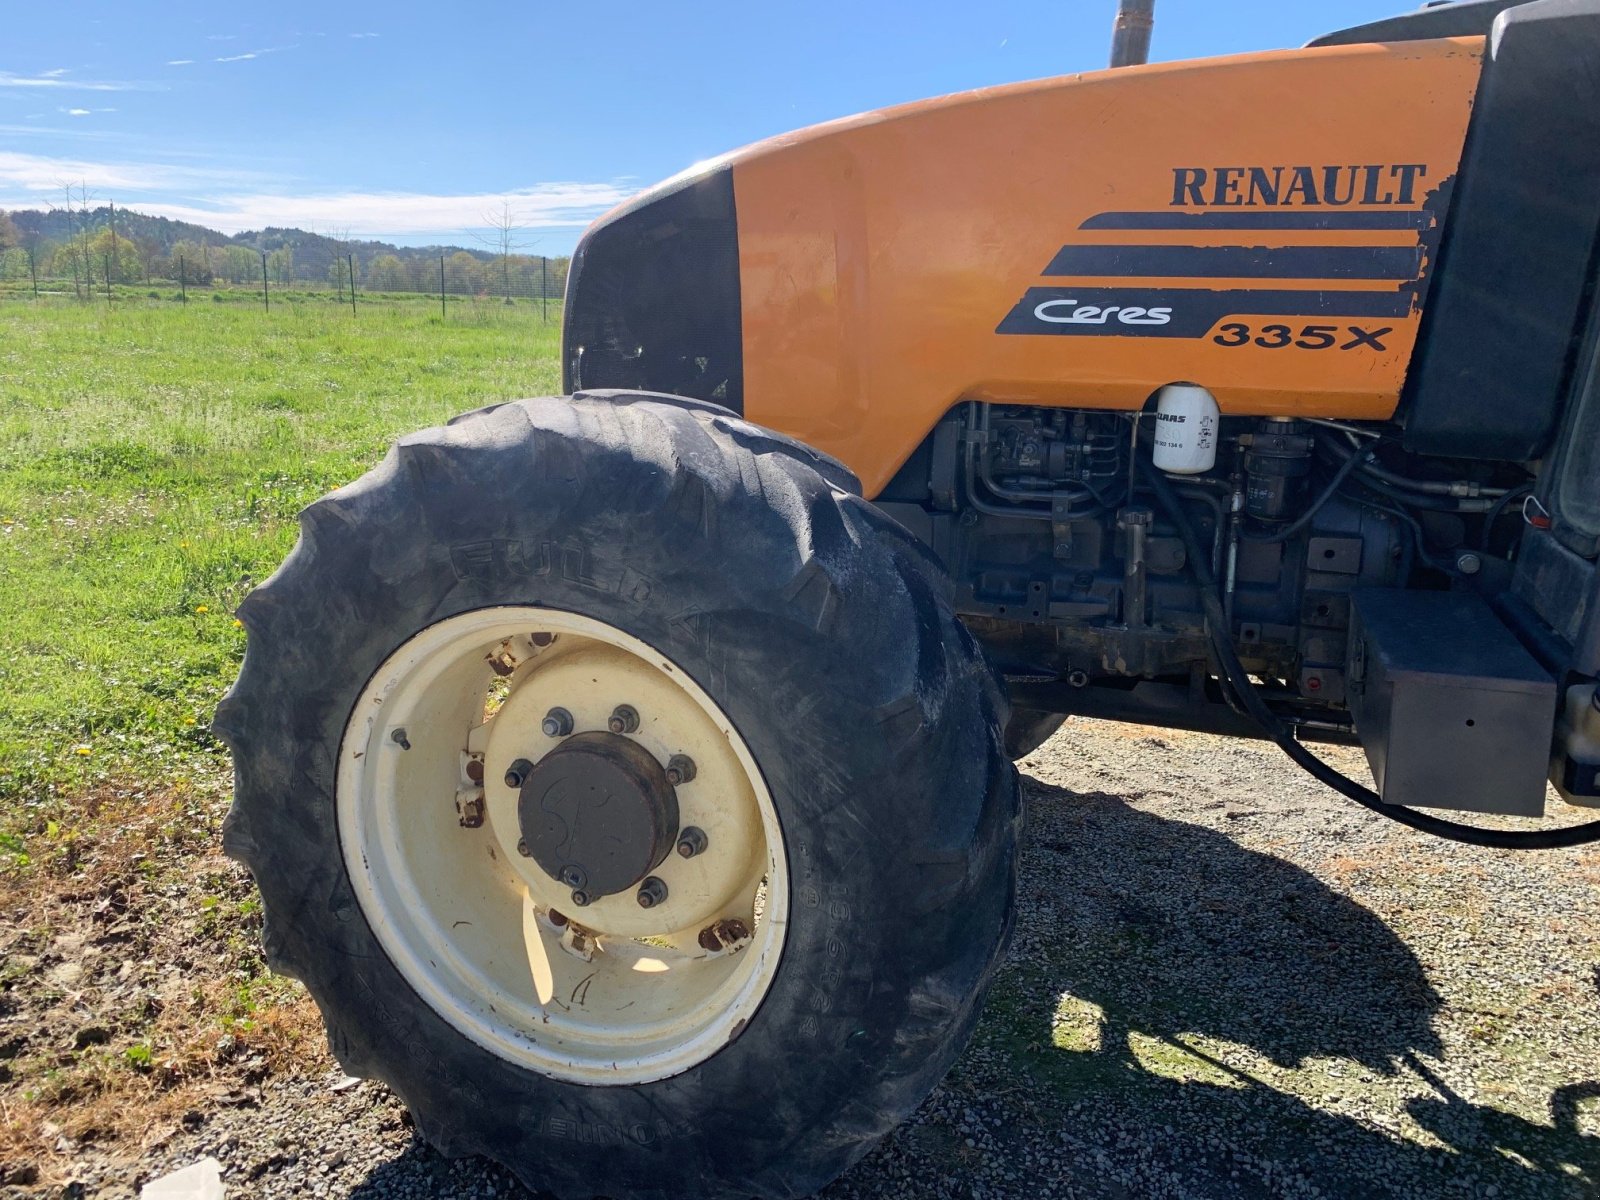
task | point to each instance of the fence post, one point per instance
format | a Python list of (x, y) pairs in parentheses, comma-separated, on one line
[(33, 270), (108, 278), (441, 288), (266, 299), (350, 261), (544, 290), (183, 284)]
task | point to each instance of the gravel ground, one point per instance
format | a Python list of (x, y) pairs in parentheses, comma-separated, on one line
[(1225, 982)]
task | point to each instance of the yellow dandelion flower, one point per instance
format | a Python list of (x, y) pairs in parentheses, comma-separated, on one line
[(202, 608), (183, 545), (188, 720), (83, 750), (238, 624)]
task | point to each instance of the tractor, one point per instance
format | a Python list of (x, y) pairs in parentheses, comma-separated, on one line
[(629, 774)]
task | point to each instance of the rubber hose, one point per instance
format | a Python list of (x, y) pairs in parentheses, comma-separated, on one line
[(1239, 680)]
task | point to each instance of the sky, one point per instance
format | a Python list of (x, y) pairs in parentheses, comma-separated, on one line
[(411, 122)]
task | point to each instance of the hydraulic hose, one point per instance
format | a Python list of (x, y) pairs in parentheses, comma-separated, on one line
[(1498, 511), (1462, 497), (1238, 679)]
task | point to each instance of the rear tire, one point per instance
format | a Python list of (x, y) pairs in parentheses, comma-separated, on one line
[(816, 626)]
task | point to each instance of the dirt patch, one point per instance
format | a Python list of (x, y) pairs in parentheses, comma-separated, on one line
[(134, 1001), (1226, 982)]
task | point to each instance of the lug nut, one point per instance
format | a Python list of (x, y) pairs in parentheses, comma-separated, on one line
[(652, 892), (522, 849), (517, 773), (398, 737), (557, 723), (691, 841), (680, 769), (580, 897), (1468, 563), (624, 719)]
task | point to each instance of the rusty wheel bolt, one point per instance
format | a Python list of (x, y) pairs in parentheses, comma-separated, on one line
[(680, 769), (517, 773), (722, 934), (398, 737), (624, 719), (557, 723), (580, 897), (475, 770), (522, 849), (691, 841), (652, 892), (557, 917)]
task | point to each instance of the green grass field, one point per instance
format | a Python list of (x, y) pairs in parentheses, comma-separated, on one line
[(152, 459)]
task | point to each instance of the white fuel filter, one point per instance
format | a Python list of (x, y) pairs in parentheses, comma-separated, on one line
[(1187, 423)]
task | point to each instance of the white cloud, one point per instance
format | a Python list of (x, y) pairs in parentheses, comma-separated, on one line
[(45, 131), (180, 62), (234, 200), (256, 53), (21, 174), (48, 80), (55, 74), (366, 35), (74, 112), (542, 206)]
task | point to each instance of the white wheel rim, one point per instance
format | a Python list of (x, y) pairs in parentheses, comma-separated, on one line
[(617, 994)]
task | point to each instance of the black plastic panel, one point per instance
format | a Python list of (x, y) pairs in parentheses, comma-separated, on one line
[(653, 297), (1511, 288), (1466, 18)]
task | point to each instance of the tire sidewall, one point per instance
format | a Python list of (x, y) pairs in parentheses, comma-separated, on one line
[(869, 991)]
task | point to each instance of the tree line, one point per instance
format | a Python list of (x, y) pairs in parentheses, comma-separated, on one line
[(92, 251)]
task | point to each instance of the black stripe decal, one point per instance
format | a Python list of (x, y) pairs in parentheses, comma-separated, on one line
[(1182, 312), (1239, 262), (1300, 219)]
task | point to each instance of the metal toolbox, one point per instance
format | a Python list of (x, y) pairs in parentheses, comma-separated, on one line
[(1451, 710)]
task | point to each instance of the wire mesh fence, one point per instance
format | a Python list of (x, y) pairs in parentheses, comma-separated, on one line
[(95, 262)]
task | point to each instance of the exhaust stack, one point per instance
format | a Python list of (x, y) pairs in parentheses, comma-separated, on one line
[(1130, 36)]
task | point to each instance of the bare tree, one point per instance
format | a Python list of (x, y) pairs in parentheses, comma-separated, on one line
[(78, 249), (342, 250), (113, 259), (504, 238)]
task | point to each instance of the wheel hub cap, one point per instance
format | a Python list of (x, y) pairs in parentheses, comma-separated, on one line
[(598, 814)]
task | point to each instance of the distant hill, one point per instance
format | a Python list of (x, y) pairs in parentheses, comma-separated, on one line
[(128, 246), (59, 225)]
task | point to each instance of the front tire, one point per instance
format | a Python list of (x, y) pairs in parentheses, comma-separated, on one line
[(1028, 729), (678, 548)]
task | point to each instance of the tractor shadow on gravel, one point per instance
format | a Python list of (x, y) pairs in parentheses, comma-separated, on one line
[(1141, 943), (1131, 964)]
